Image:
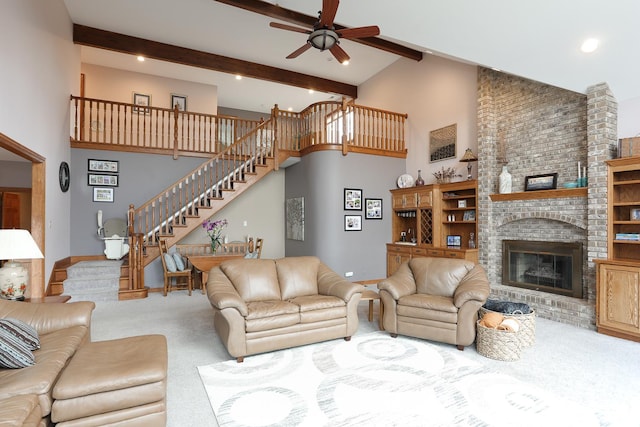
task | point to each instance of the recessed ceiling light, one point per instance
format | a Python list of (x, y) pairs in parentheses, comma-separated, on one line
[(238, 77), (140, 58), (589, 45), (345, 63), (311, 91), (290, 109)]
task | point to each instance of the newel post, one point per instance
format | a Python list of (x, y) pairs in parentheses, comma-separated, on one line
[(176, 111), (276, 141), (345, 145)]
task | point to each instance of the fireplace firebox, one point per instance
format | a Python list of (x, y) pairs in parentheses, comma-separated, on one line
[(554, 267)]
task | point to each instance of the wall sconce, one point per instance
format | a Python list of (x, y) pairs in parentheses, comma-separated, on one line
[(16, 244), (468, 158)]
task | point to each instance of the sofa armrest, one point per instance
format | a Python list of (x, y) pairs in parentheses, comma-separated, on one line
[(400, 283), (473, 287), (222, 294), (48, 318), (330, 283)]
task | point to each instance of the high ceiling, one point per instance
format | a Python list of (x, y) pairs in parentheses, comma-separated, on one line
[(539, 40)]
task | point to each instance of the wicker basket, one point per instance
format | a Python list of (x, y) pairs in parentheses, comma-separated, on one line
[(527, 332), (498, 344)]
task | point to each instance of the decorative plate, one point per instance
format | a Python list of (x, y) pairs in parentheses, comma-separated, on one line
[(405, 181)]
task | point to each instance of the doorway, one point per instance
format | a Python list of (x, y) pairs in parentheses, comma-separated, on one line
[(38, 196)]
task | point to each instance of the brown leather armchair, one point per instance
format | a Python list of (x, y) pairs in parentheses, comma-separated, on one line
[(436, 299)]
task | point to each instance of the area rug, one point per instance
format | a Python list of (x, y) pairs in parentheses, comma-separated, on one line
[(376, 380)]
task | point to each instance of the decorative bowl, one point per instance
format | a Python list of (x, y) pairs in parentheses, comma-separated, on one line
[(570, 184)]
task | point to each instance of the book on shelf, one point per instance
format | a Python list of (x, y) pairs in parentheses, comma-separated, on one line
[(627, 236)]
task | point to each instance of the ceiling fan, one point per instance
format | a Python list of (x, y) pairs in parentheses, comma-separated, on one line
[(324, 36)]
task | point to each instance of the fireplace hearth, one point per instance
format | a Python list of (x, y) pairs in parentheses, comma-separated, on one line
[(554, 267)]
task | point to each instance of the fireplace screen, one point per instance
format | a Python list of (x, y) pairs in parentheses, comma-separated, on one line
[(543, 266)]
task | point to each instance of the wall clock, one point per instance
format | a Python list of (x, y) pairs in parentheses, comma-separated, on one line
[(63, 176)]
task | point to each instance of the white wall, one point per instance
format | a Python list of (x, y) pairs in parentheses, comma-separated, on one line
[(629, 118), (435, 93), (40, 69), (119, 85)]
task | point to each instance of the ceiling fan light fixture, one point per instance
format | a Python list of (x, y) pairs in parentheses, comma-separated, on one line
[(323, 38)]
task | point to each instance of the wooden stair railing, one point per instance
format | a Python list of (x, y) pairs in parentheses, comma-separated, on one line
[(176, 211)]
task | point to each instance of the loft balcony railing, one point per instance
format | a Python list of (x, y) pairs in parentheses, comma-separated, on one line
[(331, 125)]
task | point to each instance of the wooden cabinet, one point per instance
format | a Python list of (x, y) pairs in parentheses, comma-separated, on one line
[(618, 298), (618, 277), (429, 214)]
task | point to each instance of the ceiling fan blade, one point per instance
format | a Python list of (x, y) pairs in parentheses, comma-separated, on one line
[(359, 32), (299, 51), (339, 53), (329, 9), (289, 27)]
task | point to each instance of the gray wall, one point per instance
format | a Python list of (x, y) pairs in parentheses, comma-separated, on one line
[(321, 178), (141, 176)]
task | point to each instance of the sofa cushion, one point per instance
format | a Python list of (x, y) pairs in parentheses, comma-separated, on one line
[(439, 276), (266, 315), (254, 279), (298, 276), (14, 353), (318, 308), (21, 330)]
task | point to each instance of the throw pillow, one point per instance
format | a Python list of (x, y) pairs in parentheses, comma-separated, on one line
[(171, 264), (21, 330), (178, 259), (14, 353)]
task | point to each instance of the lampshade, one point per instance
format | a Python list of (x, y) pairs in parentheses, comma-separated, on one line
[(323, 38), (16, 244), (468, 158)]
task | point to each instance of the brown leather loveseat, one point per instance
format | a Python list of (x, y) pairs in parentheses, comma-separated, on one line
[(436, 299), (264, 304)]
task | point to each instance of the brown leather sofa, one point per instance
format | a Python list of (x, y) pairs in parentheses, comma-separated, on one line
[(62, 330), (435, 299), (264, 305)]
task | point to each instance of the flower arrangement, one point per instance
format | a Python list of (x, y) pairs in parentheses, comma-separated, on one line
[(446, 175), (214, 231)]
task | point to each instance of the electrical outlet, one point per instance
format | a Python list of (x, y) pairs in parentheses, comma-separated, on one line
[(348, 274)]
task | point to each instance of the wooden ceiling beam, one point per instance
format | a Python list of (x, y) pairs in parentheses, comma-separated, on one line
[(122, 43), (277, 12)]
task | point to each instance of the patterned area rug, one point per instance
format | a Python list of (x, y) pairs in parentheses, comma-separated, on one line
[(376, 380)]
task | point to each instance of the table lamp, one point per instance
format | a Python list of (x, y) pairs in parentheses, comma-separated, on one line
[(16, 244), (468, 158)]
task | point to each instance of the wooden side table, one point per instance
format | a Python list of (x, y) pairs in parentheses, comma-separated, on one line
[(369, 295)]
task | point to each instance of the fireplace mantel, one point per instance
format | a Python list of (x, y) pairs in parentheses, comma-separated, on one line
[(541, 194)]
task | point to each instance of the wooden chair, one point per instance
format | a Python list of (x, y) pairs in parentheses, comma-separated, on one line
[(169, 275)]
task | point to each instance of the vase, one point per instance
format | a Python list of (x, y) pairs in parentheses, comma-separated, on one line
[(504, 181), (215, 244), (419, 180)]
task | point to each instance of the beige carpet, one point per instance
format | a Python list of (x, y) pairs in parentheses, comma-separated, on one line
[(376, 380)]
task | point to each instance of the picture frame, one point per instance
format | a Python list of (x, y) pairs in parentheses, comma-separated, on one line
[(180, 101), (442, 143), (97, 165), (353, 223), (141, 100), (102, 179), (469, 215), (352, 199), (634, 214), (373, 208), (454, 240), (103, 194), (547, 181), (462, 203)]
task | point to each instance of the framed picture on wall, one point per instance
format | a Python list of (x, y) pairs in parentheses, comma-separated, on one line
[(101, 179), (353, 223), (546, 181), (442, 143), (373, 208), (110, 166), (103, 194), (352, 199), (179, 101), (141, 100)]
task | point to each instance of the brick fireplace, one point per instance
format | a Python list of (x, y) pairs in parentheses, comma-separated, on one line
[(537, 129)]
